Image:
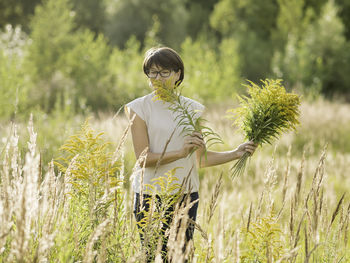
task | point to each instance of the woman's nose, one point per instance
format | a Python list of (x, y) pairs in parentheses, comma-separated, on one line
[(158, 77)]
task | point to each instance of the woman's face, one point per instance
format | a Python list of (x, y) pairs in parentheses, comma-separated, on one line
[(165, 76)]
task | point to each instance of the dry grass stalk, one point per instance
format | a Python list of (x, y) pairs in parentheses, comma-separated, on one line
[(249, 216), (6, 207), (278, 216), (203, 233), (268, 254), (291, 222), (346, 226), (151, 229), (299, 180), (321, 202), (219, 245), (158, 253), (67, 185), (297, 235), (164, 151), (178, 250), (136, 170), (16, 157), (237, 247), (26, 194), (315, 214), (117, 152), (306, 242), (289, 255), (286, 174), (102, 255), (320, 171), (270, 180), (336, 211), (316, 195), (214, 199), (307, 252), (258, 210), (49, 215), (90, 253)]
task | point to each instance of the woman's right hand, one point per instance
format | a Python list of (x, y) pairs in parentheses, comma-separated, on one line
[(192, 143)]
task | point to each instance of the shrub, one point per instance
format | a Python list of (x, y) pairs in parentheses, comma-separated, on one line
[(318, 59), (13, 85), (76, 56), (210, 76)]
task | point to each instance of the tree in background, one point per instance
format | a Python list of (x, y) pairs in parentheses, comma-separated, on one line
[(344, 13), (90, 14), (13, 83), (251, 23), (198, 19), (66, 63), (135, 18), (17, 12), (316, 58), (211, 75), (51, 34)]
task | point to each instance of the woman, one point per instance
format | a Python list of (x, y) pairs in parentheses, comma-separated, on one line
[(155, 130)]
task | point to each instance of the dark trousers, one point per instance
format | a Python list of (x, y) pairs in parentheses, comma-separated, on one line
[(139, 212)]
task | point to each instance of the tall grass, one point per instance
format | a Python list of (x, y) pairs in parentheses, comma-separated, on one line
[(292, 205)]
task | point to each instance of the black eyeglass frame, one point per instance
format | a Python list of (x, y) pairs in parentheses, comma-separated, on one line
[(160, 72)]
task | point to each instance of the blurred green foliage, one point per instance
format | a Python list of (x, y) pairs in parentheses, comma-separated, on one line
[(17, 12), (213, 75), (13, 84), (87, 55), (251, 24), (344, 13), (61, 60), (128, 18), (317, 57)]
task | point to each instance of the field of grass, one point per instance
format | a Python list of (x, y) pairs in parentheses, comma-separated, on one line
[(291, 205)]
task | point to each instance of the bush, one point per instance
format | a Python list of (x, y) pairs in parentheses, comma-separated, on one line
[(76, 56), (135, 18), (251, 24), (13, 85), (126, 69), (210, 76), (318, 60)]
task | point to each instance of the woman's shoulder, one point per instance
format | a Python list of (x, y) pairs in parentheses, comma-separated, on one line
[(142, 99), (193, 103), (139, 106)]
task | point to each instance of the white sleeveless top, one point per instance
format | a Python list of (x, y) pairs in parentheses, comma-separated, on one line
[(161, 123)]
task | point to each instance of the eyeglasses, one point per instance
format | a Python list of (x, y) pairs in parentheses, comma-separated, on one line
[(163, 73)]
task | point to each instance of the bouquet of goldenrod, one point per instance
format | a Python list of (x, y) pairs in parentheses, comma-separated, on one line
[(266, 113)]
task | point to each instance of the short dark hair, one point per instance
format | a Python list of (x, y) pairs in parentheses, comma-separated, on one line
[(166, 58)]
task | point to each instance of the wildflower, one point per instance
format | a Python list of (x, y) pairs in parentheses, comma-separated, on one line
[(186, 117), (268, 112)]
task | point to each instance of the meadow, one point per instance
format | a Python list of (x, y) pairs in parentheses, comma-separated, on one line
[(65, 191), (291, 205)]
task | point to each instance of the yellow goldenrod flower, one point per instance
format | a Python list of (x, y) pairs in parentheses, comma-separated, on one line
[(268, 112)]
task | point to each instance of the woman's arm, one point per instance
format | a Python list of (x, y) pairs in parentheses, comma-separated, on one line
[(216, 158), (141, 142)]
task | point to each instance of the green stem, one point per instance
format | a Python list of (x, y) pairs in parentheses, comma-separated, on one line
[(239, 167)]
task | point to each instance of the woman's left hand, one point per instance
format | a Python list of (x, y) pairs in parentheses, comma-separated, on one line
[(249, 147), (192, 142)]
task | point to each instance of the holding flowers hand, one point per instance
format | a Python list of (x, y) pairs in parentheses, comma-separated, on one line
[(192, 143), (248, 147)]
